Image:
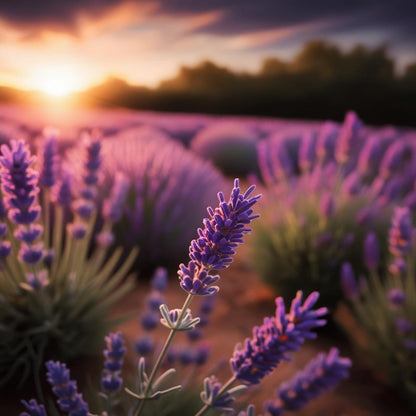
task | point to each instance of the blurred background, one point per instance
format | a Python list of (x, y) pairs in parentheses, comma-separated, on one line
[(298, 59)]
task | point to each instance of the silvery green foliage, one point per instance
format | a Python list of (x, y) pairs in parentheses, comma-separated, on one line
[(385, 309), (171, 188)]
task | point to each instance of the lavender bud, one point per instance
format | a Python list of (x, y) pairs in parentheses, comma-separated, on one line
[(28, 234), (160, 279), (48, 162), (396, 297), (37, 281), (84, 208), (149, 320), (78, 230), (400, 235), (349, 283), (371, 251), (33, 408), (144, 345), (31, 254), (392, 159), (5, 249)]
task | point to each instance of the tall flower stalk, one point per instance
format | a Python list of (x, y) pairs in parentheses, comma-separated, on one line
[(212, 251)]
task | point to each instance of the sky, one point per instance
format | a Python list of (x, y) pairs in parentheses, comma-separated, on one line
[(60, 46)]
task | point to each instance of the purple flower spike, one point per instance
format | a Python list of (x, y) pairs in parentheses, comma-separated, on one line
[(19, 183), (277, 336), (348, 139), (113, 206), (114, 355), (327, 205), (398, 267), (93, 162), (307, 152), (160, 279), (392, 159), (369, 156), (31, 254), (396, 297), (69, 400), (5, 249), (349, 284), (33, 408), (48, 162), (223, 231), (63, 193), (371, 251), (320, 375), (400, 235)]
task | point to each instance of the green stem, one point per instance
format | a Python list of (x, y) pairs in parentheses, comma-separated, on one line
[(223, 389), (162, 354)]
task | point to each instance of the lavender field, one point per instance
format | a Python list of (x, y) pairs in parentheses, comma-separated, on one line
[(139, 277)]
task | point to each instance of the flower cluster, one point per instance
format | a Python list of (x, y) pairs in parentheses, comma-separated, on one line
[(320, 375), (278, 336), (65, 389), (222, 232), (114, 354)]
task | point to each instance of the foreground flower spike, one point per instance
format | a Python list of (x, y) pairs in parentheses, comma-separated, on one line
[(33, 408), (114, 355), (69, 400), (320, 375), (223, 231), (19, 183), (400, 235), (278, 335)]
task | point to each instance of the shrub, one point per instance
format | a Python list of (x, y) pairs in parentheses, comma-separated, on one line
[(169, 192), (55, 294), (230, 146)]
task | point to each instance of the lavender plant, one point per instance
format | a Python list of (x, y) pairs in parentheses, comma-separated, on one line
[(170, 188), (271, 342), (385, 308), (230, 146), (55, 293), (343, 183)]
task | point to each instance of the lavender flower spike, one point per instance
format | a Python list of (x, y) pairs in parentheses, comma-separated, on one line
[(48, 165), (19, 183), (33, 408), (321, 374), (69, 400), (113, 206), (114, 354), (223, 231), (400, 235), (278, 335)]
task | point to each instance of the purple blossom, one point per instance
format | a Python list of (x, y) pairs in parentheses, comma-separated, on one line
[(149, 320), (201, 354), (33, 408), (154, 300), (5, 249), (404, 326), (320, 375), (222, 233), (28, 234), (392, 159), (19, 183), (63, 194), (400, 235), (69, 400), (209, 396), (326, 140), (327, 205), (349, 283), (105, 238), (348, 139), (276, 337), (144, 344), (160, 279), (369, 156), (396, 297), (371, 251), (113, 206), (93, 161), (84, 208), (398, 267), (48, 162), (31, 254), (78, 230), (114, 355), (307, 152)]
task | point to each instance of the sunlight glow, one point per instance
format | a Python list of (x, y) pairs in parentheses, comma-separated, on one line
[(57, 81)]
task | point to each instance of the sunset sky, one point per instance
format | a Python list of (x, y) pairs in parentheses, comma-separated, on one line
[(63, 46)]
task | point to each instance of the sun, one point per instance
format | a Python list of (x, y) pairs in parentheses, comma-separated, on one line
[(57, 81)]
